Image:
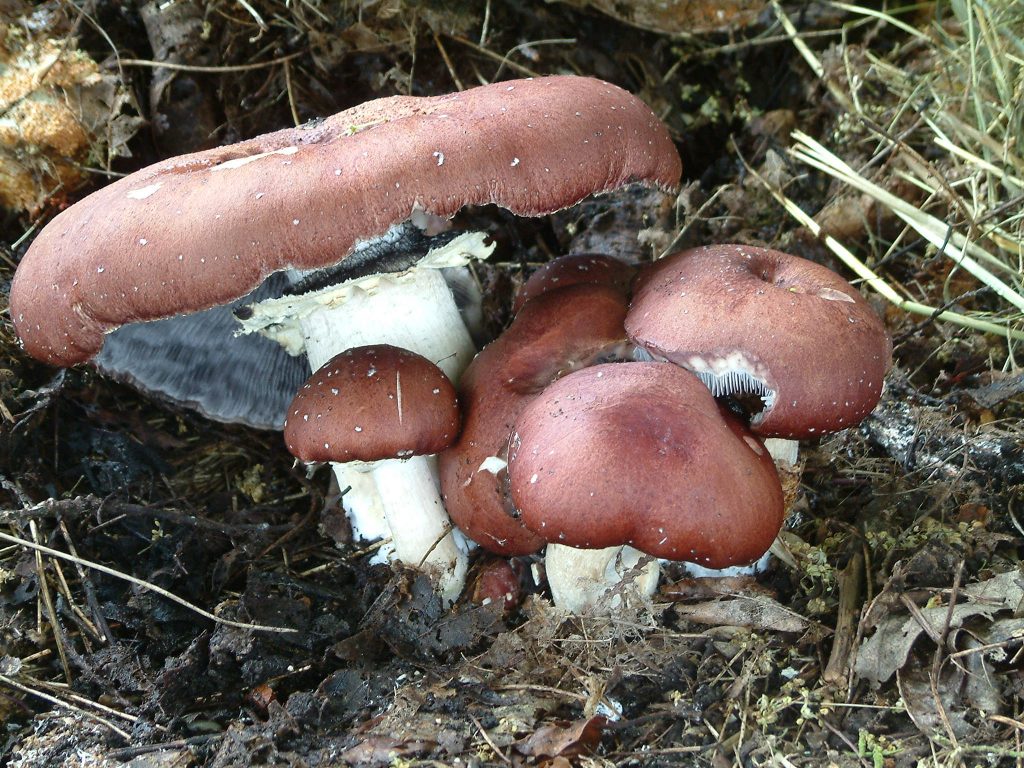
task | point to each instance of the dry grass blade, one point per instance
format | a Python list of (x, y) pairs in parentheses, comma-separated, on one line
[(951, 243), (877, 283), (955, 135), (4, 680), (47, 600)]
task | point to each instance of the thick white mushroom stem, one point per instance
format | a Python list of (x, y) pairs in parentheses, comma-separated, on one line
[(414, 310), (581, 578), (418, 523)]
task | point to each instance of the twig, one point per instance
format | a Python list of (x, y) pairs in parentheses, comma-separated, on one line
[(291, 95), (448, 528), (448, 62), (105, 635), (922, 622), (504, 60), (89, 702), (145, 585), (936, 670), (77, 614), (211, 69), (542, 689), (130, 752), (256, 16), (44, 590), (851, 583), (61, 703), (490, 743)]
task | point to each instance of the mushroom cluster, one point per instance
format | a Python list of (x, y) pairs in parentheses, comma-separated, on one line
[(643, 428), (313, 238), (312, 242)]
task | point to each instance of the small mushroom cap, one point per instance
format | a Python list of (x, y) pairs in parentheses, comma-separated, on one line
[(574, 269), (769, 324), (204, 229), (371, 403), (555, 333), (641, 454)]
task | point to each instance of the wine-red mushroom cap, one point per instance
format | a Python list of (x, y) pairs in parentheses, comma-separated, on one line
[(553, 334), (641, 454), (768, 324), (372, 403), (574, 269), (204, 229)]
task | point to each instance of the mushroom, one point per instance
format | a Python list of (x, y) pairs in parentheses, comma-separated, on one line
[(202, 230), (205, 229), (383, 411), (792, 341), (639, 453), (793, 337), (555, 333), (574, 269)]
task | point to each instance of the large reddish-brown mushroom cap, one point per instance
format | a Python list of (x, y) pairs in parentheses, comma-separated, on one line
[(641, 454), (553, 334), (203, 229), (768, 324), (371, 403)]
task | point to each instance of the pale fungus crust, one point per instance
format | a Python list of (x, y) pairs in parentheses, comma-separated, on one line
[(303, 197)]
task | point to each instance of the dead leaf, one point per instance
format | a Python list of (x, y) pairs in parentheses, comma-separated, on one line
[(915, 690), (708, 588), (1002, 387), (383, 751), (888, 648), (563, 740), (755, 612), (57, 106)]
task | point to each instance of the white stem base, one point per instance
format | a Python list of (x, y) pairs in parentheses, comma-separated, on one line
[(421, 533), (581, 578)]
